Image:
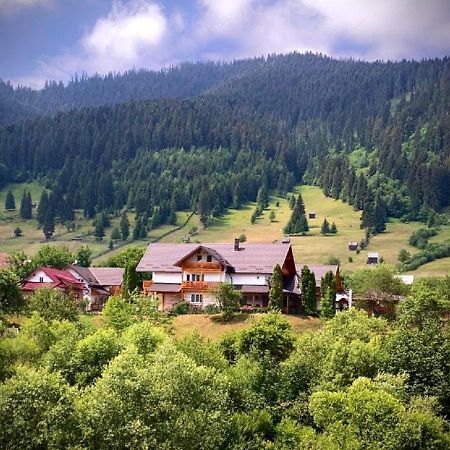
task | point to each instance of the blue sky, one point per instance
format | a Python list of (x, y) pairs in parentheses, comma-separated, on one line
[(54, 39)]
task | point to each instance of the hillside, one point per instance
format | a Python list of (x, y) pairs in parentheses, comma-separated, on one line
[(375, 135), (310, 249)]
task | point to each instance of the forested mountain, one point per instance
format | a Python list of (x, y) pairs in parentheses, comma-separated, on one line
[(374, 134), (185, 80)]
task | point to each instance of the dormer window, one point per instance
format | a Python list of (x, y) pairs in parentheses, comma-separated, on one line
[(41, 279), (199, 257), (209, 258)]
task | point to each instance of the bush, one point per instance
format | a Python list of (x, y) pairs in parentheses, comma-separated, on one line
[(333, 260), (180, 309), (51, 304), (118, 313), (211, 309), (350, 259)]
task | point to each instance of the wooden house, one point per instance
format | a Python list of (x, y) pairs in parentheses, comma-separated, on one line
[(312, 215), (353, 246), (190, 272)]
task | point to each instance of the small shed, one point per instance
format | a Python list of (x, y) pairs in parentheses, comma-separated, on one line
[(312, 215), (286, 240), (372, 258), (353, 245)]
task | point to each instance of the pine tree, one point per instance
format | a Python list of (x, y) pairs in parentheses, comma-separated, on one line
[(328, 297), (292, 201), (111, 244), (276, 289), (137, 230), (43, 208), (262, 198), (99, 231), (124, 226), (308, 291), (48, 227), (26, 206), (333, 228), (325, 228), (129, 280), (272, 216), (297, 223), (10, 203), (379, 214), (115, 234)]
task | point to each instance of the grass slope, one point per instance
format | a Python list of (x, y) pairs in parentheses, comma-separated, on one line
[(313, 248)]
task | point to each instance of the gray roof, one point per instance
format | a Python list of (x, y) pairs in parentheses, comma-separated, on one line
[(251, 258), (108, 276), (164, 287)]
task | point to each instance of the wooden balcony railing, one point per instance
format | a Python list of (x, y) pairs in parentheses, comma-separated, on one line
[(203, 266), (198, 285)]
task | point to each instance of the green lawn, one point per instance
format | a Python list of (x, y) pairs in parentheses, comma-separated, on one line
[(310, 249)]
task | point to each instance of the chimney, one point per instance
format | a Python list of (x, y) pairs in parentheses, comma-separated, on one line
[(236, 245)]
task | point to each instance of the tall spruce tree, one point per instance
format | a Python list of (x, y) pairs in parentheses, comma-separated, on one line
[(276, 289), (308, 291), (325, 228), (48, 226), (43, 208), (379, 214), (10, 202), (328, 297), (129, 280), (297, 223), (26, 206), (124, 226)]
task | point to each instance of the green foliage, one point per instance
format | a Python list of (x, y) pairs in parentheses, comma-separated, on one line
[(272, 215), (10, 296), (368, 416), (325, 228), (333, 228), (52, 304), (124, 226), (327, 303), (18, 232), (308, 290), (10, 203), (55, 256), (276, 289), (242, 238), (37, 410), (115, 234), (131, 255), (26, 206), (118, 313), (271, 336), (144, 337), (297, 223), (228, 299), (129, 280), (83, 256)]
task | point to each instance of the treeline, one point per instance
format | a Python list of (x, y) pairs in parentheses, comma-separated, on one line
[(360, 382), (292, 115)]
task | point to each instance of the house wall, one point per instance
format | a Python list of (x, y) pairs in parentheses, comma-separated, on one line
[(247, 278), (167, 277), (208, 299), (36, 277)]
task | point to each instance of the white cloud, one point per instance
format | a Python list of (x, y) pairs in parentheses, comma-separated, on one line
[(142, 33)]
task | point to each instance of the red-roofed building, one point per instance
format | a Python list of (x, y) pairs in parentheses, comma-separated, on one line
[(46, 277)]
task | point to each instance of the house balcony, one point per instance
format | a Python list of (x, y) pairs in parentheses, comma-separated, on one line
[(203, 266), (198, 285)]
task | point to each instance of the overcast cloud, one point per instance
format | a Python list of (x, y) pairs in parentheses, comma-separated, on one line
[(146, 33)]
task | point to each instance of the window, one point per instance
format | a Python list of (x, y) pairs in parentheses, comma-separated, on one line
[(199, 257), (41, 279), (196, 298), (197, 277), (209, 258), (188, 277)]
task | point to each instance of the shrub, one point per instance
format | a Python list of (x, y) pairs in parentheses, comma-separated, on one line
[(51, 304), (180, 308), (118, 313)]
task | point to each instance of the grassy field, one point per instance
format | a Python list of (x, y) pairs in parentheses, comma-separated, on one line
[(311, 249), (189, 323), (186, 324)]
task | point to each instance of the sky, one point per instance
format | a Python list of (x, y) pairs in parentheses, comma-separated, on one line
[(55, 39)]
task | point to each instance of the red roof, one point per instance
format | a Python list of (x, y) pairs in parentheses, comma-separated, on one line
[(60, 279)]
